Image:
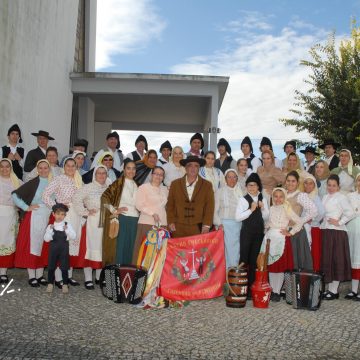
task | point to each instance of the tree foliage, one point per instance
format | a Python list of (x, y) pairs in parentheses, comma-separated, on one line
[(330, 108)]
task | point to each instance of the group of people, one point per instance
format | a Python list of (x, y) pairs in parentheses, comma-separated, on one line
[(60, 214)]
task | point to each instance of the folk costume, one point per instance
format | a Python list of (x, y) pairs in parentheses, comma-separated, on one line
[(332, 161), (214, 175), (8, 221), (252, 160), (172, 172), (310, 167), (135, 155), (228, 162), (242, 180), (226, 200), (190, 205), (270, 178), (166, 145), (252, 229), (192, 152), (32, 227), (88, 197), (266, 141), (143, 171), (121, 193)]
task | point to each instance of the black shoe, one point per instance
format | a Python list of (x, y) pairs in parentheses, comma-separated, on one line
[(357, 298), (4, 279), (73, 282), (275, 297), (97, 282), (33, 282), (89, 285), (350, 296), (59, 284), (328, 295), (42, 281)]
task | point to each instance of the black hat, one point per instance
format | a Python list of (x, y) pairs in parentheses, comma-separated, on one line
[(199, 137), (43, 133), (310, 149), (16, 128), (191, 158), (254, 177), (223, 142), (266, 141), (290, 142), (59, 206), (329, 142), (143, 139), (166, 145), (81, 142), (246, 140), (114, 134)]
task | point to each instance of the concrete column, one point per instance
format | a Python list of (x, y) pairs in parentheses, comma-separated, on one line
[(214, 108), (90, 34), (86, 121), (101, 130)]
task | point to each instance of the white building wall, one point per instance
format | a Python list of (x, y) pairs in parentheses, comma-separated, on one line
[(37, 40)]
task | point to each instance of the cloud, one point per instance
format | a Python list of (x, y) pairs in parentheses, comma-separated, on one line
[(125, 26), (264, 71)]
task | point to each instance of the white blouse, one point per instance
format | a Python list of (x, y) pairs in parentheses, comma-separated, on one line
[(337, 206), (279, 219), (243, 210), (6, 187), (128, 198), (172, 172), (354, 198), (309, 210)]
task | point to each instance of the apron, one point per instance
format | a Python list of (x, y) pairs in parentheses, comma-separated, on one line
[(38, 223), (94, 235), (8, 229)]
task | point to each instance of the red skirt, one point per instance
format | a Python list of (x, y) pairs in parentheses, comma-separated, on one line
[(80, 261), (7, 261), (286, 262), (45, 248), (355, 274), (316, 247), (23, 258)]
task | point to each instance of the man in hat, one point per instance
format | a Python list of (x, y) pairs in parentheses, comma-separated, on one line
[(310, 153), (165, 150), (196, 145), (81, 146), (13, 151), (34, 155), (329, 146), (248, 151), (225, 161), (190, 206), (141, 146), (266, 144), (290, 147), (113, 146)]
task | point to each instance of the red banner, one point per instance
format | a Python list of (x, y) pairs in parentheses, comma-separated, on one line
[(194, 267)]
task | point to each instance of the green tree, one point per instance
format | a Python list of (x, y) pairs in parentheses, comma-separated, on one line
[(330, 107)]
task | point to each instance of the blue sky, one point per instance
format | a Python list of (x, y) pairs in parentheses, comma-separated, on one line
[(257, 43)]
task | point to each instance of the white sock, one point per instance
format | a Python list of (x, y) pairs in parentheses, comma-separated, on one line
[(354, 285), (58, 275), (276, 281), (3, 271), (97, 274), (88, 274), (70, 272), (39, 273), (31, 273), (333, 286)]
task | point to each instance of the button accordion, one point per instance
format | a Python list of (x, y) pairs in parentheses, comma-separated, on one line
[(303, 289), (123, 283)]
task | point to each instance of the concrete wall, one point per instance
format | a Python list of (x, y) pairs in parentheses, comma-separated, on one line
[(37, 40)]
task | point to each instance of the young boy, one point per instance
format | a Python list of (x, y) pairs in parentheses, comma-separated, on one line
[(59, 234)]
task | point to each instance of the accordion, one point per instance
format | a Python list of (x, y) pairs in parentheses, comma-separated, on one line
[(303, 289), (123, 283)]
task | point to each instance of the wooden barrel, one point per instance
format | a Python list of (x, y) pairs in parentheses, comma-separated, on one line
[(237, 279)]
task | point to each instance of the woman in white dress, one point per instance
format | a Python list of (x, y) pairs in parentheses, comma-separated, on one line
[(173, 169), (211, 173)]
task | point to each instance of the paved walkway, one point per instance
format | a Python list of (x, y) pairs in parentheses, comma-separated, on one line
[(85, 325)]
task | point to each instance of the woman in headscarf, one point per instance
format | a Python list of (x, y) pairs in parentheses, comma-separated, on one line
[(33, 225), (79, 157), (293, 163), (87, 203), (52, 157), (211, 173), (151, 199), (8, 217), (335, 256), (107, 160), (226, 200), (346, 171), (322, 173), (353, 228), (313, 228), (144, 167), (118, 201), (62, 190), (173, 169)]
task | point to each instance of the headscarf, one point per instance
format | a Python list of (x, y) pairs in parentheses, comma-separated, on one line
[(47, 162), (103, 155), (77, 177), (143, 168), (107, 181), (297, 162), (315, 191), (326, 171), (351, 162), (286, 204), (78, 152), (14, 179), (237, 188)]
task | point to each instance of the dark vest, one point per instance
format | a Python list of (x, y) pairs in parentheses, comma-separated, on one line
[(334, 163), (18, 170), (249, 161), (225, 165), (163, 162), (255, 222), (136, 156)]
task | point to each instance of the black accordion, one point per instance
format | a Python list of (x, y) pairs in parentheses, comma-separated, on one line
[(123, 283), (303, 289)]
